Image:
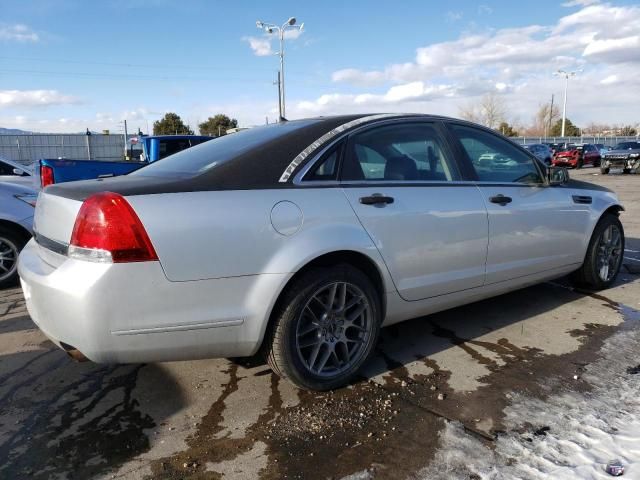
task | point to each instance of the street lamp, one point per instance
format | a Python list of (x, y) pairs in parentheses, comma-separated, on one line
[(271, 28), (566, 75)]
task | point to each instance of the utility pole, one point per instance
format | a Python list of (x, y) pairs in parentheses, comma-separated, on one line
[(550, 118), (125, 138), (279, 83), (271, 28), (566, 76)]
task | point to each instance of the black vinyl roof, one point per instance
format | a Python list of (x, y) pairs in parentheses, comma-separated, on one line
[(251, 159)]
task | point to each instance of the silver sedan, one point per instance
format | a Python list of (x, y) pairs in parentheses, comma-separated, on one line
[(300, 240)]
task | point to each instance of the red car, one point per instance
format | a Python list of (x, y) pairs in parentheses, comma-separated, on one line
[(576, 156)]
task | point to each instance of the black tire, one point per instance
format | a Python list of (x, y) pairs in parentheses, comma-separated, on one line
[(579, 164), (285, 353), (626, 171), (11, 243), (604, 170), (588, 275)]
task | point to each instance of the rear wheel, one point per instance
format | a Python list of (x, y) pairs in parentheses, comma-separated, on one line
[(11, 243), (604, 255), (626, 171), (326, 328), (604, 170), (579, 163)]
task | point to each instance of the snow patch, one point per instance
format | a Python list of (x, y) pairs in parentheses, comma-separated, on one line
[(586, 430)]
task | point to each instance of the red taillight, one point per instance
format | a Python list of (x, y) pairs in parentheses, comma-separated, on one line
[(108, 230), (46, 176)]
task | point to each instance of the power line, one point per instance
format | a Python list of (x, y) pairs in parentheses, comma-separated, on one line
[(134, 76), (130, 65)]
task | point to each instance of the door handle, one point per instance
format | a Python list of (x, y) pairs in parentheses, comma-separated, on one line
[(500, 200), (375, 199)]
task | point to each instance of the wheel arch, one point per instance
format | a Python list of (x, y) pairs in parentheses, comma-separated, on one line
[(355, 258), (15, 227)]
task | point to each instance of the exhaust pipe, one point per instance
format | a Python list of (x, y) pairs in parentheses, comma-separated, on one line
[(74, 353)]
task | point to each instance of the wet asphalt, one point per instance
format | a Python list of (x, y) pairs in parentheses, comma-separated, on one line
[(235, 419)]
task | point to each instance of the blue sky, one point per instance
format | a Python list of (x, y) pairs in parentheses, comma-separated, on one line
[(69, 64)]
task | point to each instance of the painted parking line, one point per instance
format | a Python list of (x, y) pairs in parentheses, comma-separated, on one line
[(632, 259), (632, 251)]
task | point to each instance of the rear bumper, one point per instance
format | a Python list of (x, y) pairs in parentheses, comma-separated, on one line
[(124, 313)]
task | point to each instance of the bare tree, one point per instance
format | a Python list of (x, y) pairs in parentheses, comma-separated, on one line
[(470, 112), (493, 110), (543, 119), (489, 111)]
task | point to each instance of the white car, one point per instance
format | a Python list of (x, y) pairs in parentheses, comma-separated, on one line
[(14, 172), (286, 237)]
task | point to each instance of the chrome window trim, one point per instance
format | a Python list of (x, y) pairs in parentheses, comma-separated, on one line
[(376, 121), (304, 154)]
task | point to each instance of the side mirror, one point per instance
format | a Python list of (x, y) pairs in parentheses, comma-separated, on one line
[(17, 171), (557, 175)]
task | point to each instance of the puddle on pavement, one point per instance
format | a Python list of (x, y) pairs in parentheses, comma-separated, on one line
[(68, 420), (387, 427)]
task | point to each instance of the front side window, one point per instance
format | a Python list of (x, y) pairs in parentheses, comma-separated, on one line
[(495, 159), (402, 152)]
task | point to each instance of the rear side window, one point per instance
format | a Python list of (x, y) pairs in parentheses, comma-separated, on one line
[(495, 159), (401, 152), (327, 167)]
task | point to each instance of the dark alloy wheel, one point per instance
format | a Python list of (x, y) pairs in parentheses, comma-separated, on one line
[(604, 255), (327, 328)]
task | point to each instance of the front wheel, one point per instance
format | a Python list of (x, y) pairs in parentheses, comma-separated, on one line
[(326, 328), (626, 171), (579, 163), (604, 170), (604, 255)]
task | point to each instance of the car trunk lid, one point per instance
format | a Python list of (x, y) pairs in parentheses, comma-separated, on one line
[(54, 219)]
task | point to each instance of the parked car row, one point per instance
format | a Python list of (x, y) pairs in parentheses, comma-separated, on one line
[(304, 238), (576, 155)]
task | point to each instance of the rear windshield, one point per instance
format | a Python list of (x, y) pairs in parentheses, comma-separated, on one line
[(628, 145), (209, 155), (565, 148)]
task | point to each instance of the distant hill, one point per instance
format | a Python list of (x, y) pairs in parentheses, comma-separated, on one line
[(13, 131)]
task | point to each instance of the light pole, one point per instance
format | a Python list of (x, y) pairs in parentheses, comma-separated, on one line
[(270, 28), (566, 76)]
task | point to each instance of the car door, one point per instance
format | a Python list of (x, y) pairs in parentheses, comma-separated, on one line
[(430, 228), (533, 227)]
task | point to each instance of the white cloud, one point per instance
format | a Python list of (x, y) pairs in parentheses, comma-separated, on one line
[(454, 16), (35, 98), (17, 33), (580, 3), (485, 10), (601, 39), (261, 46), (614, 50)]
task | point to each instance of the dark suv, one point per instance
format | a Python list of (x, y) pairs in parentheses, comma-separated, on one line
[(625, 155)]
